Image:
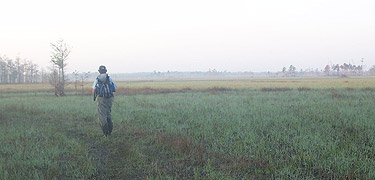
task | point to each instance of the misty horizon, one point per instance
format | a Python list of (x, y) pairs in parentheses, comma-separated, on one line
[(233, 36)]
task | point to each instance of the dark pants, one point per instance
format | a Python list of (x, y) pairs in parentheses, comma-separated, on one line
[(105, 116)]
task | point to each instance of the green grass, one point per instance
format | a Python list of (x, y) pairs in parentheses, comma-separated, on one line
[(231, 134), (33, 147)]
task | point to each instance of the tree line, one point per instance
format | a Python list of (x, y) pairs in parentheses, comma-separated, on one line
[(23, 71), (345, 69), (20, 71)]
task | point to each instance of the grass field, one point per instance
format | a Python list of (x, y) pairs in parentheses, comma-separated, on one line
[(196, 129), (199, 85)]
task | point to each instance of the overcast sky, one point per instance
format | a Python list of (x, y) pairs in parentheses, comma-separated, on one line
[(191, 35)]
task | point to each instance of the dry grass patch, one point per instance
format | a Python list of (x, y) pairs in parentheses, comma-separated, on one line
[(275, 89), (368, 89)]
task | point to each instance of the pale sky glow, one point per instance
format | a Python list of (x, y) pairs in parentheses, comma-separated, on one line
[(194, 35)]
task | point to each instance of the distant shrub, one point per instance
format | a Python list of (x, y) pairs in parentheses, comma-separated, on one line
[(149, 90), (349, 89), (304, 89), (368, 89), (219, 89), (275, 89), (186, 89), (144, 90)]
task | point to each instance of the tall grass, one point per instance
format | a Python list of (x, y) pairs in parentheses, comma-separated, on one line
[(215, 134), (33, 146)]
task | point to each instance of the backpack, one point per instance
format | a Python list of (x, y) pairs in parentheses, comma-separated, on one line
[(104, 89)]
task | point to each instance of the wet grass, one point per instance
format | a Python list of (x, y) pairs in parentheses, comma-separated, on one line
[(218, 133), (32, 148)]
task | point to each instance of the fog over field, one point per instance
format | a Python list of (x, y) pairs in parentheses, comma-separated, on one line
[(198, 89), (167, 35)]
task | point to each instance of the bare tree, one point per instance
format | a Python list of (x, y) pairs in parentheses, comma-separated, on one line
[(327, 70), (35, 73), (12, 73), (20, 70), (17, 71), (31, 71), (336, 68), (75, 73), (83, 76), (59, 56), (54, 79), (26, 70), (3, 70), (372, 70), (44, 76)]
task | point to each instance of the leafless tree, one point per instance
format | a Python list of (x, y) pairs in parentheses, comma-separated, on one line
[(54, 79), (17, 71), (3, 70), (83, 76), (336, 68), (12, 76), (75, 73), (44, 76), (327, 70), (59, 56), (372, 71), (20, 70)]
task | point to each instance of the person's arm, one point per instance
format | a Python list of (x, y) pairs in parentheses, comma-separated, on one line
[(114, 85), (93, 86)]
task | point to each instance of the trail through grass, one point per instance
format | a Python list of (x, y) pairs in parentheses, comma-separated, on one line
[(250, 134)]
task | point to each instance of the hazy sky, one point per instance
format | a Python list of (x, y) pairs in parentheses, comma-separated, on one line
[(191, 35)]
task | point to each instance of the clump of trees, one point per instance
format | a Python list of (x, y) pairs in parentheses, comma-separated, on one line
[(343, 70), (291, 71), (24, 71), (20, 71), (79, 80)]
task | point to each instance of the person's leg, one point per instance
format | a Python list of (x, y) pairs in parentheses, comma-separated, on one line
[(109, 116), (102, 111)]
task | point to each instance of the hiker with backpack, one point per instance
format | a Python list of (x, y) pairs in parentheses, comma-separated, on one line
[(103, 89)]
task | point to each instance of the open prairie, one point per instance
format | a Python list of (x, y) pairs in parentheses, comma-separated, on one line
[(287, 128)]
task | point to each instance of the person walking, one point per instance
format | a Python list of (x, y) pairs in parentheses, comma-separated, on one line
[(103, 89)]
